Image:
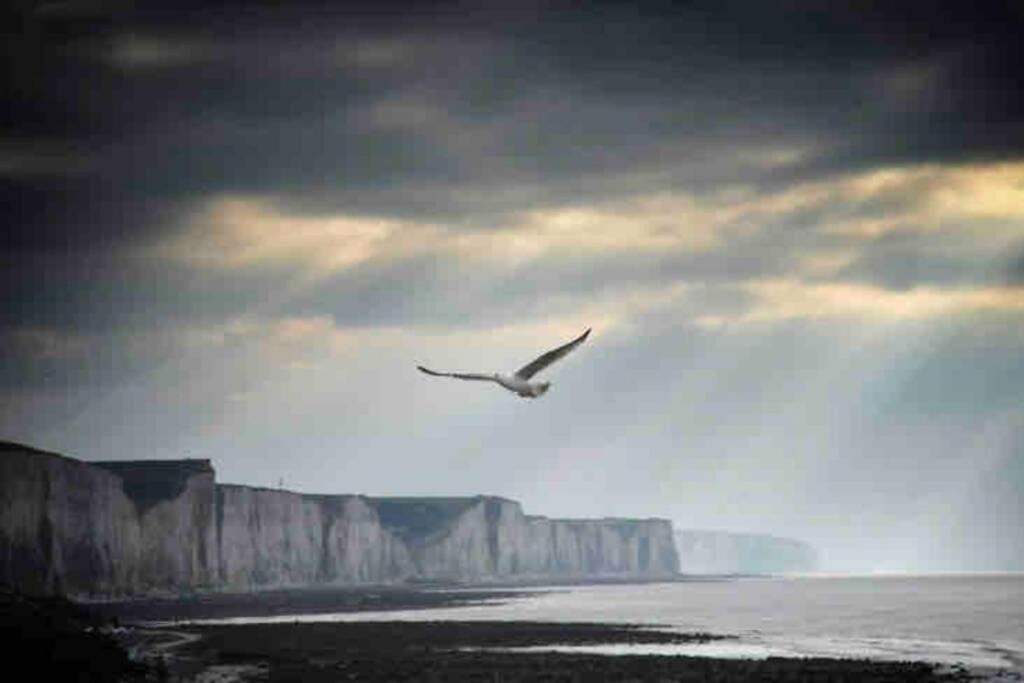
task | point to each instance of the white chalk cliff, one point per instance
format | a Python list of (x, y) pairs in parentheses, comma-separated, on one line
[(129, 528)]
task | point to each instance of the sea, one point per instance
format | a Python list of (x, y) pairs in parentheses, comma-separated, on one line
[(973, 620)]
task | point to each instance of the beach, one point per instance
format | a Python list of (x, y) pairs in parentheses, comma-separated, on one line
[(609, 632), (484, 651), (689, 630)]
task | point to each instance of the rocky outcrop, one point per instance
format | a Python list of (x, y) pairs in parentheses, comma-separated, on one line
[(720, 552), (121, 528)]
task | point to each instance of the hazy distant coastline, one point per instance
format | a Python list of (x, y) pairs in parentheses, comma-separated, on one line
[(723, 552)]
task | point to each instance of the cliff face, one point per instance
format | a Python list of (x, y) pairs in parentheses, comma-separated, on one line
[(121, 528), (172, 508), (271, 538), (486, 538), (719, 552), (76, 528), (59, 524)]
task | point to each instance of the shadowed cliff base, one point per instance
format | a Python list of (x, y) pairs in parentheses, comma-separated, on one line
[(308, 601), (295, 602)]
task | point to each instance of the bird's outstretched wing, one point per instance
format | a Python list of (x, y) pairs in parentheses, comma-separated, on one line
[(531, 369), (457, 375)]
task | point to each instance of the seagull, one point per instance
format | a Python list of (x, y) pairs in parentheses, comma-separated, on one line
[(519, 381)]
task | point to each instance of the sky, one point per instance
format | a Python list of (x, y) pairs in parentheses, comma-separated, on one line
[(232, 231)]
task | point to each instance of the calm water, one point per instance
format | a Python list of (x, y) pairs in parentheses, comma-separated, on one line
[(977, 620)]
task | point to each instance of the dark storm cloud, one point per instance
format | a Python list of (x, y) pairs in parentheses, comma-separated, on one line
[(234, 99), (100, 291), (91, 298), (902, 260), (118, 119)]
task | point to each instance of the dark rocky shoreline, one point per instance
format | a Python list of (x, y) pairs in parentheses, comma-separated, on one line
[(59, 640), (52, 639), (473, 651)]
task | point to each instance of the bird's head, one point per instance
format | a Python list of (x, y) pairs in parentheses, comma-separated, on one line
[(540, 388)]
